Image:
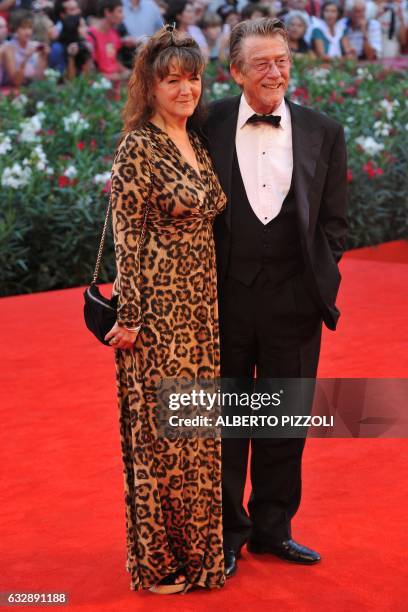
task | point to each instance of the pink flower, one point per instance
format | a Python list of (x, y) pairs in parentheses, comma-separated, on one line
[(350, 91), (80, 145), (301, 92), (107, 187), (349, 175)]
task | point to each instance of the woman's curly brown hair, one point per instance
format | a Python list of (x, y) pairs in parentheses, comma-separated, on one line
[(154, 62)]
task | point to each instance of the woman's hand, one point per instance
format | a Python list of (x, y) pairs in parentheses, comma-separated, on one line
[(73, 48), (120, 337), (43, 50), (30, 51)]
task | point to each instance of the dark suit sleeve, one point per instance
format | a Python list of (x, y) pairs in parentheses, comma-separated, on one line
[(334, 201)]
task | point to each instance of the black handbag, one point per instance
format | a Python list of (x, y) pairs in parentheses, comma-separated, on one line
[(100, 312)]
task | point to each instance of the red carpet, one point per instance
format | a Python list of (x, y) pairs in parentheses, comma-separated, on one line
[(62, 512)]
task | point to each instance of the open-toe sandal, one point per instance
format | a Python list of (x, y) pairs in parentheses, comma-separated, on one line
[(169, 584)]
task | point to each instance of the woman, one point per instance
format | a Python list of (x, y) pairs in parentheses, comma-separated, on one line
[(76, 49), (24, 59), (211, 27), (183, 14), (45, 31), (296, 25), (329, 39), (167, 324)]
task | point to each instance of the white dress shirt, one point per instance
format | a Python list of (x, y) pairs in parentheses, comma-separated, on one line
[(265, 159)]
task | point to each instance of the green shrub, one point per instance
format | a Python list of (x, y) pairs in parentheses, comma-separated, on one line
[(56, 147)]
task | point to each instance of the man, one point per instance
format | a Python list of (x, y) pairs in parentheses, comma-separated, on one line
[(278, 244), (364, 35), (106, 42), (142, 18), (64, 9)]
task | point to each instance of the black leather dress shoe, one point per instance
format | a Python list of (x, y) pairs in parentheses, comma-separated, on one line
[(289, 550), (230, 561)]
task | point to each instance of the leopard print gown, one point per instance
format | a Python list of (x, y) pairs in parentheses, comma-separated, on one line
[(172, 487)]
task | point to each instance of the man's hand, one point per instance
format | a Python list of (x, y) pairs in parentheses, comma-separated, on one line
[(121, 338)]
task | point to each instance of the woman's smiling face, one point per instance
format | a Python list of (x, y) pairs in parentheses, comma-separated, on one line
[(178, 93)]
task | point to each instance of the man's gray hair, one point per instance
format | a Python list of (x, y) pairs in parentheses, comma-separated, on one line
[(266, 26)]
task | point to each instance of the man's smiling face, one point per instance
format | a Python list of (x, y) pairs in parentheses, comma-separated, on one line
[(264, 71)]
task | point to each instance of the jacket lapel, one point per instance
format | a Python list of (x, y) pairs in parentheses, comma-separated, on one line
[(222, 151), (306, 141)]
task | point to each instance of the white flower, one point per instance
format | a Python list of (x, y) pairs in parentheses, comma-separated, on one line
[(20, 101), (40, 104), (16, 176), (51, 75), (70, 172), (75, 122), (102, 83), (388, 107), (382, 129), (319, 75), (369, 145), (101, 179), (220, 89), (39, 158), (30, 128), (5, 145)]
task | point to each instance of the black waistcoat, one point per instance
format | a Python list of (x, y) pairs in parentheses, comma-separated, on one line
[(274, 247)]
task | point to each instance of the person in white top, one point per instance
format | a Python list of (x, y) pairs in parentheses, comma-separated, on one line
[(329, 39), (390, 16), (283, 169)]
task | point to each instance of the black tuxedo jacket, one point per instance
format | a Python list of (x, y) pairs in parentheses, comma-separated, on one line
[(320, 184)]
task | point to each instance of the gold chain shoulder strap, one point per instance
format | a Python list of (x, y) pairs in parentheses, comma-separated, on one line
[(105, 225)]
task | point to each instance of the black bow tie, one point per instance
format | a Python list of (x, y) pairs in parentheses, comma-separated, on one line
[(270, 119)]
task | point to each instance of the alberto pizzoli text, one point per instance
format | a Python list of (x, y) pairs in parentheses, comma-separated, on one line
[(253, 420)]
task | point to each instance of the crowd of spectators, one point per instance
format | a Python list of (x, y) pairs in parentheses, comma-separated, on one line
[(77, 36)]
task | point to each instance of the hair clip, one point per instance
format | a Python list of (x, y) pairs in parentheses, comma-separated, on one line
[(170, 27)]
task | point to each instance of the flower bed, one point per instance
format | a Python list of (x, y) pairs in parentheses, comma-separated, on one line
[(56, 146)]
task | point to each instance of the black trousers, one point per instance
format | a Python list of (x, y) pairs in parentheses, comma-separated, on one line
[(266, 331)]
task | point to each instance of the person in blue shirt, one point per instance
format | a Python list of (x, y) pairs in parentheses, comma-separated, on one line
[(142, 18)]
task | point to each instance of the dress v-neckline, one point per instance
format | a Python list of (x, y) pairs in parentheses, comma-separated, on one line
[(179, 153)]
